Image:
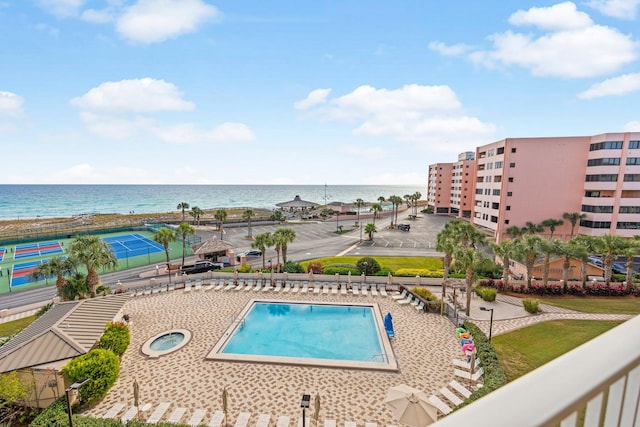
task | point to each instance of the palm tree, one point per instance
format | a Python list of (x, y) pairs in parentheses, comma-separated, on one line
[(396, 201), (584, 245), (530, 246), (414, 202), (632, 249), (531, 228), (574, 218), (195, 213), (468, 259), (370, 228), (359, 203), (247, 215), (277, 216), (284, 236), (262, 242), (548, 247), (552, 223), (506, 250), (376, 208), (94, 254), (184, 229), (569, 250), (221, 217), (610, 247), (56, 266), (165, 236), (183, 206), (515, 231)]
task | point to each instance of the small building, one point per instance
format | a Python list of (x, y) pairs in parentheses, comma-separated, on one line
[(296, 205), (215, 250), (67, 330)]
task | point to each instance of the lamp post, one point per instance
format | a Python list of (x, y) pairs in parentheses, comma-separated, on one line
[(169, 270), (306, 401), (490, 321), (74, 386), (365, 271)]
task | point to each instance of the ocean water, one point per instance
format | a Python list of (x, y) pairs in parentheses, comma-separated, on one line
[(34, 201)]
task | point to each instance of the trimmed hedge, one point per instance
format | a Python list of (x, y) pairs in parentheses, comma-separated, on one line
[(422, 272), (115, 338), (372, 266), (343, 271), (100, 366), (494, 377), (487, 294)]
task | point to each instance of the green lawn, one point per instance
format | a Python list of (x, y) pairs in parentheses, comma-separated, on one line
[(611, 305), (10, 328), (526, 349), (390, 262)]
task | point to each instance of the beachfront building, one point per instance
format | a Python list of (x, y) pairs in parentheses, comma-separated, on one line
[(451, 185)]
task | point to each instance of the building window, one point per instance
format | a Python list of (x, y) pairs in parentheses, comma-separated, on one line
[(500, 150), (607, 145), (633, 160), (496, 191), (595, 224), (513, 150), (606, 161), (478, 190), (495, 205), (510, 179), (591, 194), (508, 207), (509, 193), (499, 164), (630, 209), (497, 178), (512, 165), (634, 144), (597, 209), (632, 177), (487, 191), (506, 221), (494, 218), (628, 225), (602, 178)]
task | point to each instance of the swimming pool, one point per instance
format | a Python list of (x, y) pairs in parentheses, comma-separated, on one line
[(305, 333)]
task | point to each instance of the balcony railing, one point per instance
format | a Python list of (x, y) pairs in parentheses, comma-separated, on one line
[(600, 379)]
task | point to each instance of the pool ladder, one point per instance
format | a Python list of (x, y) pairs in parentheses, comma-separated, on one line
[(376, 356), (234, 319)]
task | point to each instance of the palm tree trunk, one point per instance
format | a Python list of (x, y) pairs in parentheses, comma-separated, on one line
[(505, 272), (284, 253), (583, 270), (545, 270), (166, 251), (629, 273), (469, 278), (184, 246), (60, 283), (92, 281), (565, 272)]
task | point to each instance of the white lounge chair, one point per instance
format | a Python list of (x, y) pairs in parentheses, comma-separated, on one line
[(197, 417), (187, 286), (369, 424), (317, 287), (350, 424), (210, 286), (467, 366), (401, 295), (158, 413), (296, 287), (305, 288), (239, 286), (263, 420), (130, 414), (383, 290), (329, 423), (219, 286), (334, 288), (250, 286), (365, 289), (469, 376), (230, 285), (374, 290), (258, 286), (355, 289), (438, 403), (287, 286), (198, 285), (267, 285), (405, 301), (451, 397), (283, 421), (325, 288), (278, 286), (460, 388), (243, 419), (420, 306), (177, 415), (216, 419), (115, 410)]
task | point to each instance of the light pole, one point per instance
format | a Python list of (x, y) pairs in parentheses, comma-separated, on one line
[(490, 321), (306, 401), (74, 386), (365, 271)]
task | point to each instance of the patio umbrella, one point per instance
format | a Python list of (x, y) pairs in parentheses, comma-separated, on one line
[(316, 407), (389, 279), (311, 276), (225, 404), (418, 280), (235, 277), (411, 406), (136, 396), (349, 277), (285, 276)]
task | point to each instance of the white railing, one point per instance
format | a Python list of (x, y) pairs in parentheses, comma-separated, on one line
[(601, 376)]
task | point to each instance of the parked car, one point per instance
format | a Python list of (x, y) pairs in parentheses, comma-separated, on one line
[(251, 253), (201, 267), (404, 227)]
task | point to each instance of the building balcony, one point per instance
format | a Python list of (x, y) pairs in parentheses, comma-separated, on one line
[(604, 185), (601, 378)]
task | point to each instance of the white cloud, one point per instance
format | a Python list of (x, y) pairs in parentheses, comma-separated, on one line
[(623, 9), (52, 31), (98, 16), (10, 104), (567, 44), (137, 95), (633, 126), (424, 114), (152, 21), (315, 97), (61, 8), (88, 174), (620, 85), (561, 16), (114, 127), (186, 133), (449, 50)]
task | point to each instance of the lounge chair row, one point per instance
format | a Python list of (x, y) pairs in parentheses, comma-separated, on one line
[(198, 417), (406, 297)]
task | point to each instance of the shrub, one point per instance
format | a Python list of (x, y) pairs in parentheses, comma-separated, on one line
[(100, 366), (103, 290), (531, 305), (487, 294), (384, 271), (43, 309), (115, 338), (575, 289), (422, 272), (292, 267), (372, 266), (549, 289), (316, 267), (244, 268), (434, 302), (341, 270), (494, 377)]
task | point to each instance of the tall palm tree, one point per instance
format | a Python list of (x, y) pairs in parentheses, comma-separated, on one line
[(468, 259), (548, 247), (376, 208), (284, 236), (506, 251), (196, 212), (574, 218), (94, 254), (184, 230), (570, 250), (446, 243), (552, 223), (165, 236), (247, 215), (529, 253), (396, 201), (584, 246), (630, 252), (359, 204), (370, 228), (262, 242), (414, 202), (515, 231), (531, 228), (610, 247), (221, 217), (56, 266), (183, 206)]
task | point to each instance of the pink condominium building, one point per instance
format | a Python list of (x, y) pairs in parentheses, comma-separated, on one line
[(451, 186), (533, 179)]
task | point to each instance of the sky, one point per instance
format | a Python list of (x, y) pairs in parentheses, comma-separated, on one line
[(299, 92)]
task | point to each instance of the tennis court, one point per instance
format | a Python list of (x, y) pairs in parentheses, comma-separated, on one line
[(131, 245), (20, 274), (37, 249)]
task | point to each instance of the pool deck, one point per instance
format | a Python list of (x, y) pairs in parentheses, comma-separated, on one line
[(424, 346)]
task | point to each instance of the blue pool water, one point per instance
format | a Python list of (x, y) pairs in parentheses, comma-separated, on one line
[(317, 331)]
